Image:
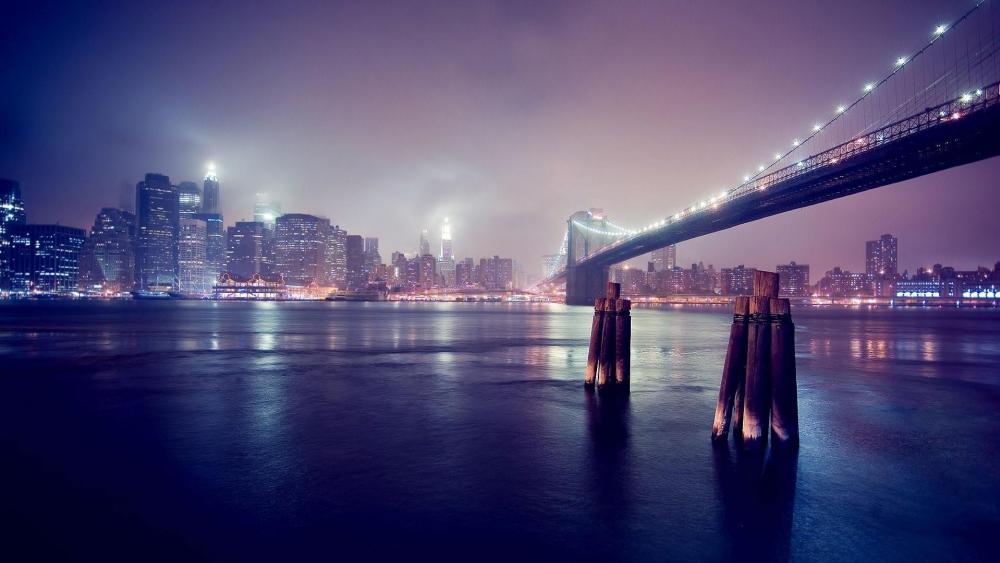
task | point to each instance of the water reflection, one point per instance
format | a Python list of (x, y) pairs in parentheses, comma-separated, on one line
[(758, 498)]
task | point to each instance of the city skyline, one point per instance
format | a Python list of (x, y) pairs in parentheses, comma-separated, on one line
[(508, 139)]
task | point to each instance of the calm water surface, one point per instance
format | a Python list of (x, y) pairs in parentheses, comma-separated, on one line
[(199, 430)]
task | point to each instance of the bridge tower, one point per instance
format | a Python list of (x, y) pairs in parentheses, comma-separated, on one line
[(588, 232)]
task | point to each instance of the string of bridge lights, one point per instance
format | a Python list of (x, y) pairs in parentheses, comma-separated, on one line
[(840, 110)]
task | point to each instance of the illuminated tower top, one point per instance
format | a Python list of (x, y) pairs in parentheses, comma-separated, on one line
[(210, 192), (446, 251)]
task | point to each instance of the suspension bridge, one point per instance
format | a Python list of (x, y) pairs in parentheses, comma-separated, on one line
[(933, 109)]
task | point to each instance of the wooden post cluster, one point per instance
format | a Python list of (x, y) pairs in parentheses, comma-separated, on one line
[(758, 390), (610, 342)]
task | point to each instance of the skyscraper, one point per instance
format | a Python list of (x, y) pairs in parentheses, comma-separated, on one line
[(355, 251), (664, 258), (446, 250), (372, 257), (215, 245), (108, 259), (266, 210), (11, 213), (210, 195), (336, 257), (45, 258), (245, 251), (425, 244), (157, 224), (189, 195), (191, 246), (300, 248)]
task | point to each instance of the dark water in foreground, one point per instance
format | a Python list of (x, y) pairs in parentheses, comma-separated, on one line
[(183, 430)]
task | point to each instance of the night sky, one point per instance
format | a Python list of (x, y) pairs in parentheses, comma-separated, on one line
[(504, 116)]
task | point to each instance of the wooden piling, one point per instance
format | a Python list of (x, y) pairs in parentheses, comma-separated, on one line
[(757, 392), (733, 373), (614, 290), (784, 396), (594, 354), (765, 284), (606, 362), (623, 337)]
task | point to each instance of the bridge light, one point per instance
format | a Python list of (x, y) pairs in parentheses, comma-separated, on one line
[(722, 194), (760, 168), (841, 109), (869, 87), (777, 156), (966, 98), (746, 179), (901, 61), (795, 142), (940, 29), (817, 127), (800, 164), (956, 115), (979, 93)]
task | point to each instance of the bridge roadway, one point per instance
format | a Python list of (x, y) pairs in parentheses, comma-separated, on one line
[(953, 134)]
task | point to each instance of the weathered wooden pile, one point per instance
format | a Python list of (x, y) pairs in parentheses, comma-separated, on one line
[(758, 391), (610, 341)]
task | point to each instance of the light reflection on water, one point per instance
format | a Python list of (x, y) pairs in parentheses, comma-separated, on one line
[(256, 430)]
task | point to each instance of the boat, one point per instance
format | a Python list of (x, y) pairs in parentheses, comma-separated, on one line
[(146, 294)]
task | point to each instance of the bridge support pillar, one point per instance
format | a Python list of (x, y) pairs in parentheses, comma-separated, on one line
[(585, 283)]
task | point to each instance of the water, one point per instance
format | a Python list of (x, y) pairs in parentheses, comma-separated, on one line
[(198, 430)]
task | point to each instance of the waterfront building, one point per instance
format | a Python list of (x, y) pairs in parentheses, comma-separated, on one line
[(45, 258), (496, 273), (210, 193), (265, 210), (257, 287), (11, 214), (664, 258), (793, 279), (336, 256), (446, 270), (354, 250), (189, 197), (107, 263), (245, 249), (632, 280), (465, 273), (881, 256), (215, 245), (737, 281), (191, 260), (372, 258), (842, 283), (300, 249), (157, 224)]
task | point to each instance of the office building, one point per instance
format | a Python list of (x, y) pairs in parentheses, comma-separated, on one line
[(737, 281), (107, 263), (265, 210), (881, 257), (189, 196), (157, 224), (425, 244), (215, 244), (11, 214), (354, 250), (191, 248), (245, 249), (210, 193), (446, 249), (300, 249), (336, 256), (45, 258)]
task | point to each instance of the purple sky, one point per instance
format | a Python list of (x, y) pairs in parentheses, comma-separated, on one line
[(504, 116)]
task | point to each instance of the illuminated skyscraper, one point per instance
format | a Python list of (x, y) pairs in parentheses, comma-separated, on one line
[(45, 258), (11, 213), (446, 250), (191, 277), (108, 259), (881, 258), (266, 210), (300, 248), (157, 225), (189, 195), (355, 251), (210, 195), (336, 257)]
